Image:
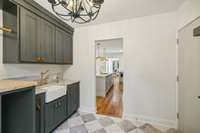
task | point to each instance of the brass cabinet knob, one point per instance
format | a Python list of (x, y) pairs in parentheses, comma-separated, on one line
[(42, 59), (38, 59), (5, 29)]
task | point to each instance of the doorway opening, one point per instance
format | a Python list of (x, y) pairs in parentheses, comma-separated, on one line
[(109, 77)]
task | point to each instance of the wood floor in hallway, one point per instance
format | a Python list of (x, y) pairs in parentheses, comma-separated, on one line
[(112, 104)]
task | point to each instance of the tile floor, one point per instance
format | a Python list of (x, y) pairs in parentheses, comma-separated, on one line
[(91, 123)]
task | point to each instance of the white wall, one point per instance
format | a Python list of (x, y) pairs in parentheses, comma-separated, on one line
[(14, 70), (149, 64)]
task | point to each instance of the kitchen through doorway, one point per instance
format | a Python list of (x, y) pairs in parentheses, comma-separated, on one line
[(109, 77)]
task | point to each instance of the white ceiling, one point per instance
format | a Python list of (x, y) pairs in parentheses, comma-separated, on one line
[(116, 10)]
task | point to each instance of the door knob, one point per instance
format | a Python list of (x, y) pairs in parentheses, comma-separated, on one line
[(198, 97)]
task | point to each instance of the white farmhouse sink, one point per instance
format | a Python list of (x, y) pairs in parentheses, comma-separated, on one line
[(54, 92)]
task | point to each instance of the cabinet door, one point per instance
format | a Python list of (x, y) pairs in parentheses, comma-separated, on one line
[(60, 111), (68, 49), (29, 36), (47, 42), (76, 96), (40, 113), (59, 46), (70, 98), (50, 117)]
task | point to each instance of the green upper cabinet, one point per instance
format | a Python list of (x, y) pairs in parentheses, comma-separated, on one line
[(68, 49), (39, 36), (64, 48), (47, 42), (29, 36), (59, 46)]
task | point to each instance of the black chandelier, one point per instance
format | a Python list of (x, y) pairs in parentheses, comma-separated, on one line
[(78, 11)]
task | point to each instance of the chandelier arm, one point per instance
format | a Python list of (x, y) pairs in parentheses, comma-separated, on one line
[(73, 19), (84, 15), (89, 5), (67, 9), (73, 6), (65, 18), (97, 13), (84, 21), (80, 6), (86, 10), (59, 14)]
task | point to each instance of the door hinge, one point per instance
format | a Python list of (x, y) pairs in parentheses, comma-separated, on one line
[(177, 41), (178, 115), (177, 78)]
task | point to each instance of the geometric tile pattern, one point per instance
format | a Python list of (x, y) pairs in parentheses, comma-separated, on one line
[(91, 123)]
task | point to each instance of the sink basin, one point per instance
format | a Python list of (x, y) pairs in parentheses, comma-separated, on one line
[(54, 92)]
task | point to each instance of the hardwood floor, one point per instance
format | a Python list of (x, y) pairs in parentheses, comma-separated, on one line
[(112, 104)]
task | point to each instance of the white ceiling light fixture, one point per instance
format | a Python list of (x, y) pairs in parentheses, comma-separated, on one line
[(78, 11), (100, 54)]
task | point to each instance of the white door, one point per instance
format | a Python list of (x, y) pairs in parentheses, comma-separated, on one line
[(189, 83)]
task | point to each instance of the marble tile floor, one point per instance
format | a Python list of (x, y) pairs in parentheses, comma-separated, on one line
[(92, 123)]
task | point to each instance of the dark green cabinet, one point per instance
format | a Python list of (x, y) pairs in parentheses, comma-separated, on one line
[(60, 110), (49, 117), (68, 48), (64, 50), (37, 35), (55, 113), (73, 100), (37, 39), (18, 111), (47, 42), (29, 36), (59, 46), (40, 101)]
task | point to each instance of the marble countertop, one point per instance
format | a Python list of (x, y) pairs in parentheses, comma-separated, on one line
[(24, 82), (12, 85)]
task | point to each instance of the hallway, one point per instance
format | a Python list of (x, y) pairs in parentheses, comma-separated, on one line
[(112, 104)]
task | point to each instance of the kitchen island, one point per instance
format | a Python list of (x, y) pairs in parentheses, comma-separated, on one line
[(104, 82)]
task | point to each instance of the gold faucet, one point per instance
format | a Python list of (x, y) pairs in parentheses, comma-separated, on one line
[(44, 77)]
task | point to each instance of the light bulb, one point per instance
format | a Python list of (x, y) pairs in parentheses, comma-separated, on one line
[(73, 5)]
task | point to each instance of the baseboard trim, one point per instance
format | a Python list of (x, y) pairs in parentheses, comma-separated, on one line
[(85, 109), (151, 120)]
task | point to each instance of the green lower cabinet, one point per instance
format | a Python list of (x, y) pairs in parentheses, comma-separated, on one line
[(49, 117), (73, 98), (60, 110), (55, 113), (40, 101), (18, 111)]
